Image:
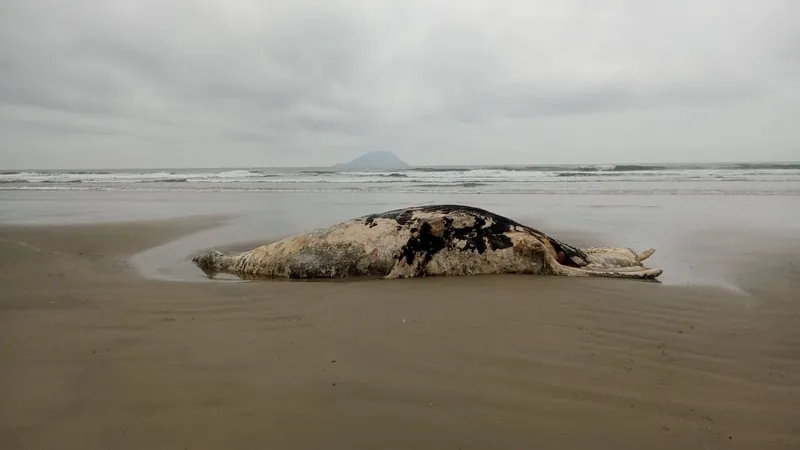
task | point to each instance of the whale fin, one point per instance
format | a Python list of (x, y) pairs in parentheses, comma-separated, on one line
[(641, 273), (645, 254)]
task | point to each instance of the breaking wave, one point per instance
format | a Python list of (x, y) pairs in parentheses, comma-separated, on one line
[(466, 184), (512, 179)]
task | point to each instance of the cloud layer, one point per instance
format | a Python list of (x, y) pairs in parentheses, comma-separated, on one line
[(91, 83)]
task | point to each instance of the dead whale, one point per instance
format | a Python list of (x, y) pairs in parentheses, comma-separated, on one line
[(431, 240)]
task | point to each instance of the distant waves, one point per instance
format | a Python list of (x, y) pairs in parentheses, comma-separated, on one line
[(611, 179)]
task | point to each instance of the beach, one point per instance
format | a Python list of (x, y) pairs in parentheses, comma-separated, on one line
[(109, 338)]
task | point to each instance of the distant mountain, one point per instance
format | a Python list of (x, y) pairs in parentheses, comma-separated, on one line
[(375, 160)]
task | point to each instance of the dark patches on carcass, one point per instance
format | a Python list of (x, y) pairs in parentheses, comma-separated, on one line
[(427, 240), (401, 216), (424, 244), (478, 238)]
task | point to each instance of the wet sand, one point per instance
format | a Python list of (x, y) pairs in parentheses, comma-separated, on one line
[(94, 356)]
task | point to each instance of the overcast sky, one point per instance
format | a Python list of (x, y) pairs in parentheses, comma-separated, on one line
[(209, 83)]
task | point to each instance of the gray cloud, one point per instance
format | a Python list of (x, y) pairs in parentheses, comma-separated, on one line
[(218, 83)]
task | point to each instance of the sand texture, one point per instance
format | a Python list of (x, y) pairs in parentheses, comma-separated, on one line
[(93, 356)]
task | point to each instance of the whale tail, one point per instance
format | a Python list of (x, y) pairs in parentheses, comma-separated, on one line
[(613, 262)]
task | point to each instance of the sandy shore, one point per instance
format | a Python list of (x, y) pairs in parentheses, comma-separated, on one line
[(94, 356)]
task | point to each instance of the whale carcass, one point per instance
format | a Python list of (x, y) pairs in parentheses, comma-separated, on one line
[(430, 240)]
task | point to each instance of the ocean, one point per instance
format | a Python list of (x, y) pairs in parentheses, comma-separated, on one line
[(669, 179)]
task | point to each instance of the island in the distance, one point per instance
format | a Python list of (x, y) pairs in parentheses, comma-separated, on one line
[(380, 160)]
